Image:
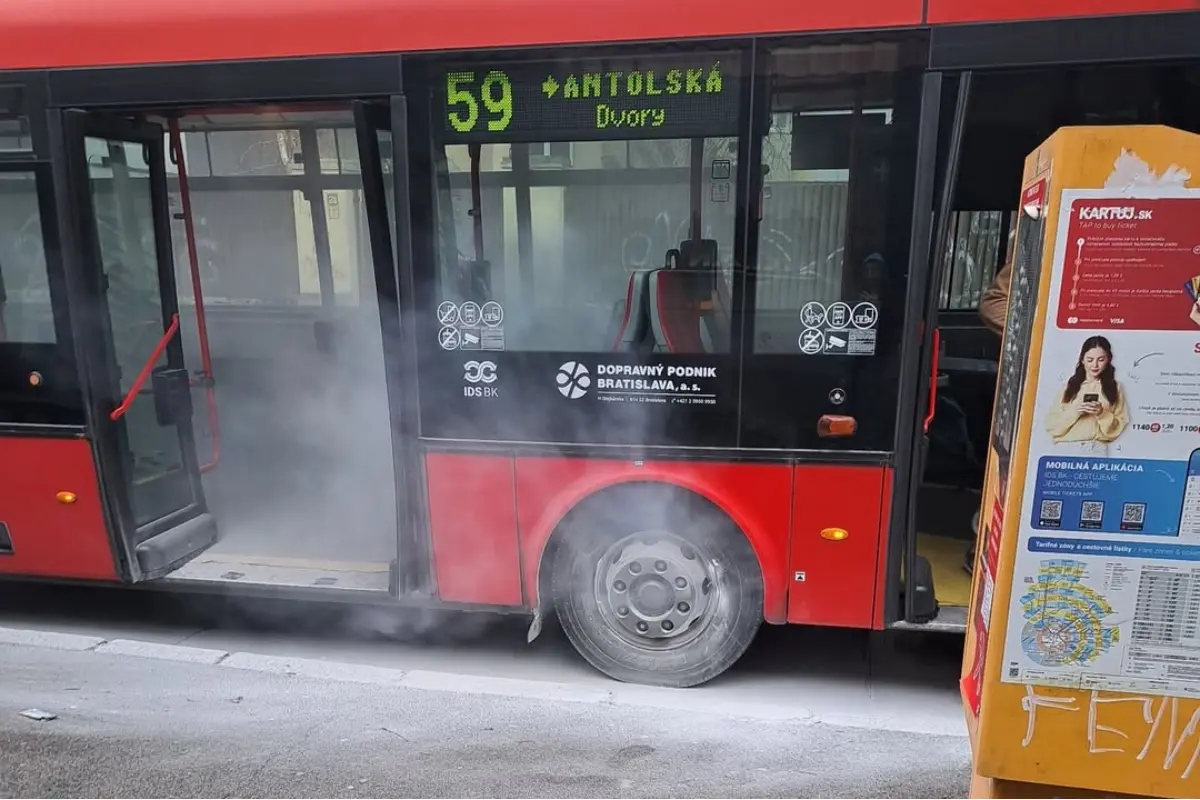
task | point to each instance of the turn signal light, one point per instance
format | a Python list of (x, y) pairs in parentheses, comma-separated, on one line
[(35, 378), (835, 534), (66, 498), (836, 425)]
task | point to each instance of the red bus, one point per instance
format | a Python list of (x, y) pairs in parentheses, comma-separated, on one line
[(658, 318)]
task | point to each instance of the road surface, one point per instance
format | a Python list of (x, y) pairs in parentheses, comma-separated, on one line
[(140, 720), (154, 698)]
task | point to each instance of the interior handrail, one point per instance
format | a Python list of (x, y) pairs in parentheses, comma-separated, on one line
[(189, 229), (931, 412), (140, 380)]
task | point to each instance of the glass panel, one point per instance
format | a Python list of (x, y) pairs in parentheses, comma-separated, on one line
[(14, 124), (389, 195), (25, 311), (599, 221), (974, 255), (826, 237), (120, 189), (587, 205)]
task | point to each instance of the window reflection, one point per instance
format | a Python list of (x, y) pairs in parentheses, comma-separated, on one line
[(825, 240), (25, 312), (585, 267)]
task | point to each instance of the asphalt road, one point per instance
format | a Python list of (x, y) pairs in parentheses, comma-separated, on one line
[(154, 725), (183, 695)]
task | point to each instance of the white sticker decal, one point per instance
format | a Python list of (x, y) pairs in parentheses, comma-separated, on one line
[(838, 315), (812, 315), (492, 314), (812, 341), (448, 338), (865, 316)]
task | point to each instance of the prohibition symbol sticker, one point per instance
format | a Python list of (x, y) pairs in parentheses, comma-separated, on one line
[(447, 313), (449, 338), (812, 341)]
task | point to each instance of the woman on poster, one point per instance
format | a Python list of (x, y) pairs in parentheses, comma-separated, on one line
[(1091, 411)]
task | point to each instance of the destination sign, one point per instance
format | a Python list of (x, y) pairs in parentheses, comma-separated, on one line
[(630, 98)]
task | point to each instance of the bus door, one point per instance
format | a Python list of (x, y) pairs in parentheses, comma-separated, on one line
[(381, 128), (126, 313)]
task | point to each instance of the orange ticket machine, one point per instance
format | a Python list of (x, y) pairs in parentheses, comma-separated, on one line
[(1081, 674)]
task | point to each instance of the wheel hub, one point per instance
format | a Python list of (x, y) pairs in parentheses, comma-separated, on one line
[(654, 586)]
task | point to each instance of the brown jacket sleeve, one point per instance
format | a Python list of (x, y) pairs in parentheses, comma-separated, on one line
[(993, 306)]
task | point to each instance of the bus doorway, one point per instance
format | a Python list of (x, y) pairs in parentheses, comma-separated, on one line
[(279, 336), (1002, 116)]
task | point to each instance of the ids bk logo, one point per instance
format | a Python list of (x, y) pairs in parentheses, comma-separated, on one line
[(477, 373)]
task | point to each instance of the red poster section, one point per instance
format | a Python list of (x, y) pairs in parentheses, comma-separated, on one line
[(1131, 264)]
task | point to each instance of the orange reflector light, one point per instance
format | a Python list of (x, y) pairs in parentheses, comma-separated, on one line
[(35, 379), (836, 425), (66, 498), (834, 534)]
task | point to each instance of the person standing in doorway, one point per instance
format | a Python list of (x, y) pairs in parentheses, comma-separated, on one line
[(993, 310)]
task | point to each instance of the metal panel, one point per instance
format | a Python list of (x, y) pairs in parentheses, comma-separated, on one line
[(225, 83), (1066, 41)]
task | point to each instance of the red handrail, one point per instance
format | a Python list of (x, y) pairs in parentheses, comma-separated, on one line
[(933, 381), (140, 380), (189, 229)]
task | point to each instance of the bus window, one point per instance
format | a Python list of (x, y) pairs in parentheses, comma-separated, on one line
[(25, 311), (826, 244), (977, 246), (573, 239)]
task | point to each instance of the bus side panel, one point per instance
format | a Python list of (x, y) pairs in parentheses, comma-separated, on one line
[(755, 496), (952, 11), (50, 538), (834, 580), (473, 527), (147, 32), (885, 554)]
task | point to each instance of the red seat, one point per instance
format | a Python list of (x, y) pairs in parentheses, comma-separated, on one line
[(633, 321), (675, 310)]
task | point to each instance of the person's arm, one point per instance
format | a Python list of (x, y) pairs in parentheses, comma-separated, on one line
[(1062, 417), (993, 306), (1111, 423)]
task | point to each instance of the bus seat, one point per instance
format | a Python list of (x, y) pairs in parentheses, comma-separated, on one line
[(702, 257), (675, 311), (698, 254), (715, 322), (631, 321)]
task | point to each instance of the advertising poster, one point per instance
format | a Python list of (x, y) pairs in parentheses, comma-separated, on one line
[(1106, 586)]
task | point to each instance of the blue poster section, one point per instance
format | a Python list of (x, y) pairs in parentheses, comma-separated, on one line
[(1115, 547), (1109, 495)]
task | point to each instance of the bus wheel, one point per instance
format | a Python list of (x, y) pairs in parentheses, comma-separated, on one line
[(672, 603)]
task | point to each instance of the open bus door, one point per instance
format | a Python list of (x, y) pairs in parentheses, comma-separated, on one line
[(381, 128), (126, 317)]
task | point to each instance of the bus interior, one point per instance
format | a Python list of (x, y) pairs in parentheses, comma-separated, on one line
[(1007, 115)]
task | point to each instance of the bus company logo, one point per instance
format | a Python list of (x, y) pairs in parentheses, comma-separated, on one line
[(573, 380), (480, 372)]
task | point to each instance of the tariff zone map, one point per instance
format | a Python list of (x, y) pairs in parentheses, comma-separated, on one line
[(1064, 619)]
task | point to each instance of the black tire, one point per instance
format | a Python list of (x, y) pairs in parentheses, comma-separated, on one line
[(653, 517)]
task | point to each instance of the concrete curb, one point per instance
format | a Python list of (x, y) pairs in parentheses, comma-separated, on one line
[(627, 695)]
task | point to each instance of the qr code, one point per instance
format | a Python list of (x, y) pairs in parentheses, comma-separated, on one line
[(1093, 511), (1133, 513), (1052, 510), (1014, 672)]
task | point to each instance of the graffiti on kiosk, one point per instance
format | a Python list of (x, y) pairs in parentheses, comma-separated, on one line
[(1166, 726)]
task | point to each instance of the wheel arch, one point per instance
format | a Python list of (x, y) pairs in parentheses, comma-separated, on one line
[(551, 528)]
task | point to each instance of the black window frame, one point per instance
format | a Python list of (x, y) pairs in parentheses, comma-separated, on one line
[(41, 379)]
